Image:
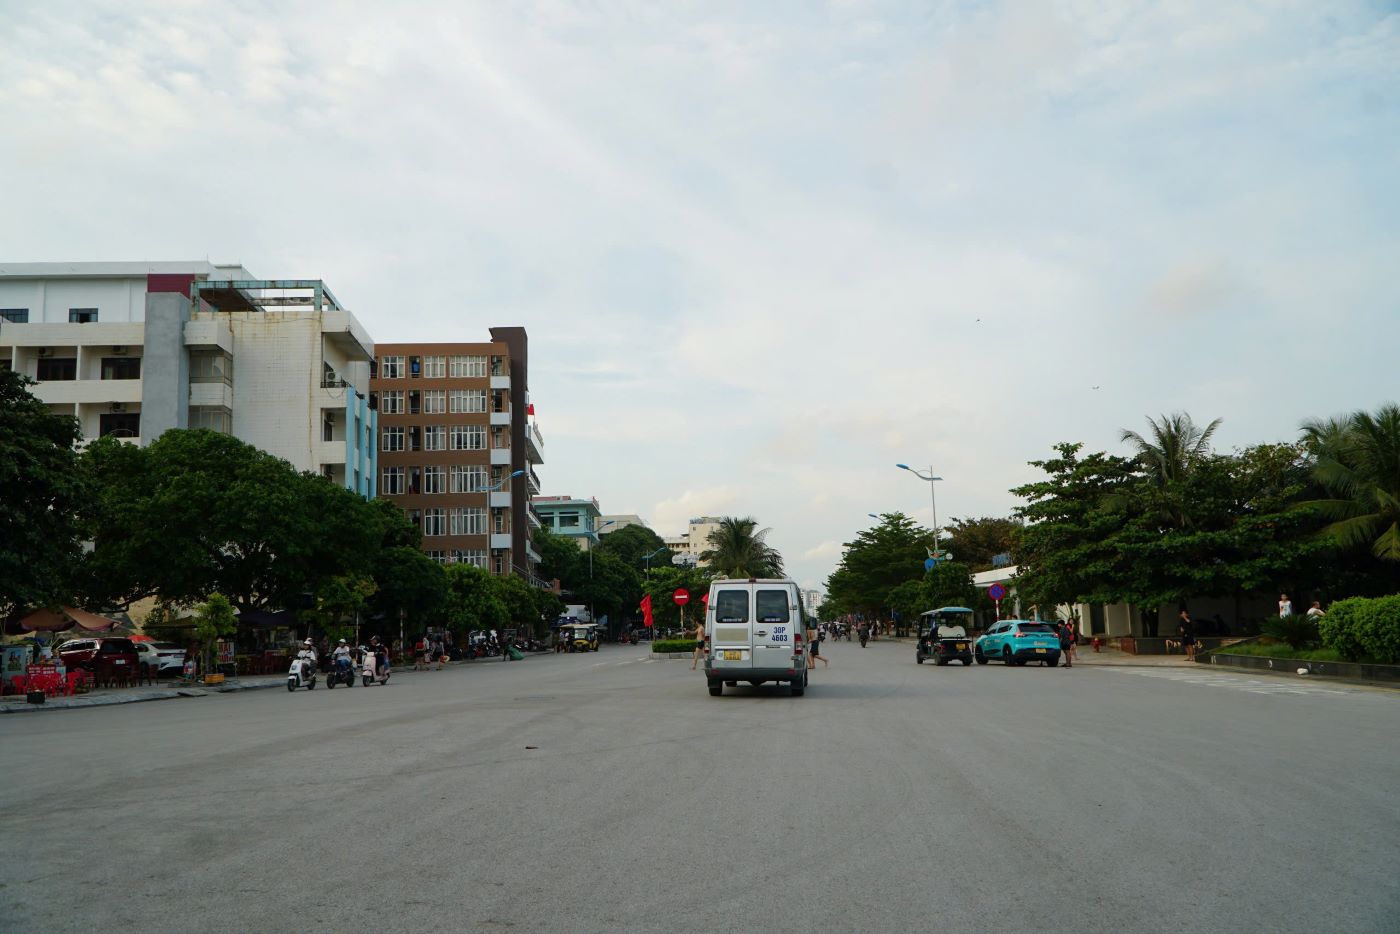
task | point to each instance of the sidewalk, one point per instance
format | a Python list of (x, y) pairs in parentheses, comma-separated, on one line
[(1085, 655), (168, 690)]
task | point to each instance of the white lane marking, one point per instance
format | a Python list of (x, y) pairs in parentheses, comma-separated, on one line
[(1235, 682)]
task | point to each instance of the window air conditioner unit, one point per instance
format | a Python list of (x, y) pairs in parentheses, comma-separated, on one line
[(45, 351), (118, 407), (118, 350)]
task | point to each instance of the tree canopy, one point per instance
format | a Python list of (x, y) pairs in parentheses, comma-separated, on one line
[(738, 548)]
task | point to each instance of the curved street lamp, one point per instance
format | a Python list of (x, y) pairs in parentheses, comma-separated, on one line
[(593, 531), (933, 499), (492, 489)]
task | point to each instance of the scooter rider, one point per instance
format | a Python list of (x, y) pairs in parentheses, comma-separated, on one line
[(308, 649), (381, 655)]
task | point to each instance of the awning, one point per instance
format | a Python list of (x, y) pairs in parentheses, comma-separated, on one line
[(65, 617)]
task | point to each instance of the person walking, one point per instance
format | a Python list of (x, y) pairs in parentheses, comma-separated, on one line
[(699, 652), (1187, 631), (815, 654), (1285, 605)]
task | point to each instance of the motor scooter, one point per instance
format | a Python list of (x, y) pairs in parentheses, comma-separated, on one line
[(342, 672), (302, 673), (376, 669)]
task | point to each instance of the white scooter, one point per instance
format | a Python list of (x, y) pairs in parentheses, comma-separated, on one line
[(372, 671), (302, 673)]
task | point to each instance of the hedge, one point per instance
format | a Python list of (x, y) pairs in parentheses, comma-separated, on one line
[(674, 645), (1360, 628)]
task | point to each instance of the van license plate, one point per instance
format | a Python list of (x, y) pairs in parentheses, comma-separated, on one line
[(732, 655)]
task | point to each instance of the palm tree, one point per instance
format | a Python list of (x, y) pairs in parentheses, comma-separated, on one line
[(737, 549), (1358, 463), (1176, 445)]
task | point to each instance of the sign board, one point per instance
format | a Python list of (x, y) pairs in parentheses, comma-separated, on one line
[(929, 563), (996, 592), (681, 596)]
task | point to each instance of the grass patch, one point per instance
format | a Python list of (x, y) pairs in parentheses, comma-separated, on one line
[(1283, 651)]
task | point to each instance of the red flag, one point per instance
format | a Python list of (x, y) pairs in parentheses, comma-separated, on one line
[(646, 610), (530, 409)]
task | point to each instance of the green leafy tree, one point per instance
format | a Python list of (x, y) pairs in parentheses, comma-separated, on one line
[(975, 542), (214, 619), (738, 548), (518, 598), (408, 581), (662, 583), (40, 494), (473, 600), (339, 602), (879, 560), (632, 542), (1358, 465), (1173, 447), (560, 558)]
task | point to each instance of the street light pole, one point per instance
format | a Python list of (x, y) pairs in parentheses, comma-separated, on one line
[(933, 499), (591, 532)]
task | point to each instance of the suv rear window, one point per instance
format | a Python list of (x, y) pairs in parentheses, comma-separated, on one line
[(732, 606), (770, 606), (1035, 627)]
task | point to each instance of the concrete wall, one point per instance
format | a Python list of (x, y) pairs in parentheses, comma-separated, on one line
[(276, 379), (165, 367)]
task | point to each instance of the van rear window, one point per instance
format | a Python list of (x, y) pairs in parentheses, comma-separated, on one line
[(771, 606), (732, 606)]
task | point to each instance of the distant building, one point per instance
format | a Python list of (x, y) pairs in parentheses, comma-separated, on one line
[(566, 515), (456, 427), (135, 349), (612, 523), (695, 541)]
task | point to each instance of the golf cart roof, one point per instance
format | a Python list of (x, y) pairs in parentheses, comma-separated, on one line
[(946, 609)]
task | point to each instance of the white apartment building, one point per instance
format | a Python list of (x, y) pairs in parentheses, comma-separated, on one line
[(612, 523), (695, 541), (135, 349)]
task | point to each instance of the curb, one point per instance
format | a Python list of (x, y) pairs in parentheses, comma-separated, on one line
[(112, 700), (1291, 672)]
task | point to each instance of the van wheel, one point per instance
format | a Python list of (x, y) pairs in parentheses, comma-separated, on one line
[(716, 688), (798, 687)]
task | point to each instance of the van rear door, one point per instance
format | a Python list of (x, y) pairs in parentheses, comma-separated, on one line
[(732, 627), (775, 622)]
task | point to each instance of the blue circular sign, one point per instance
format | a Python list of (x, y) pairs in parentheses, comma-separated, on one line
[(996, 592), (928, 564)]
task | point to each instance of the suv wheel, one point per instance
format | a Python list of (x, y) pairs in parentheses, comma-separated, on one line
[(981, 659), (1006, 655)]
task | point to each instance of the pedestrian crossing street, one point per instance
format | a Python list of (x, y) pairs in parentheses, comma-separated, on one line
[(1297, 685)]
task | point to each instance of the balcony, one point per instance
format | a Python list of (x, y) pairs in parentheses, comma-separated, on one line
[(534, 444), (533, 479), (500, 382), (208, 332), (534, 520), (499, 498), (500, 456), (500, 418), (501, 540)]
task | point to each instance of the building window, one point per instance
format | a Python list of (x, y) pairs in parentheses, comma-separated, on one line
[(439, 556), (415, 367), (498, 366), (476, 556), (435, 438), (391, 402), (434, 367), (120, 424), (213, 417), (568, 520), (467, 479), (468, 401), (500, 521), (435, 402), (466, 366), (391, 482), (434, 522), (415, 481), (57, 368), (121, 367), (500, 401), (216, 367), (467, 520), (434, 479), (468, 437), (15, 315), (415, 516), (393, 438), (82, 316), (391, 367)]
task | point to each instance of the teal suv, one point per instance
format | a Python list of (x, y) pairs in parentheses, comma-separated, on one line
[(1017, 641)]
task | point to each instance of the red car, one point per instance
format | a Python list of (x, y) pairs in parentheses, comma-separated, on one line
[(91, 653)]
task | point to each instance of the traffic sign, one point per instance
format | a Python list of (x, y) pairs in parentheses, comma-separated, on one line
[(996, 592), (681, 596), (929, 563)]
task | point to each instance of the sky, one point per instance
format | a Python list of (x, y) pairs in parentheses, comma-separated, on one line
[(766, 251)]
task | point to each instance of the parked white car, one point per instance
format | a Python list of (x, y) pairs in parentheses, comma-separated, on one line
[(166, 658)]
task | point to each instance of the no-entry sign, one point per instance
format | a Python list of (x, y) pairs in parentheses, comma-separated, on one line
[(681, 596)]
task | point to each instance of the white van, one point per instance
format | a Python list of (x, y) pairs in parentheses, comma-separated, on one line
[(755, 632)]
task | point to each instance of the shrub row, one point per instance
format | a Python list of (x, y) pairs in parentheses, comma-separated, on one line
[(1359, 628), (674, 645)]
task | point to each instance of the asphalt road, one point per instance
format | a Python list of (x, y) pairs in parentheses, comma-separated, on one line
[(609, 792)]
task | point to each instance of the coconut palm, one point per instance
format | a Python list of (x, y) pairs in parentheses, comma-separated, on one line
[(737, 549), (1176, 445), (1358, 463)]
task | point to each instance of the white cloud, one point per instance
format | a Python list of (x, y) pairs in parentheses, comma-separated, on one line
[(751, 247)]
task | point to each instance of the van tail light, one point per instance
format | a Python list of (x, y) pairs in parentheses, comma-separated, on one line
[(797, 643)]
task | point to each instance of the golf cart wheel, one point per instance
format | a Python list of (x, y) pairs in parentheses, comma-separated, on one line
[(919, 659), (966, 662)]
